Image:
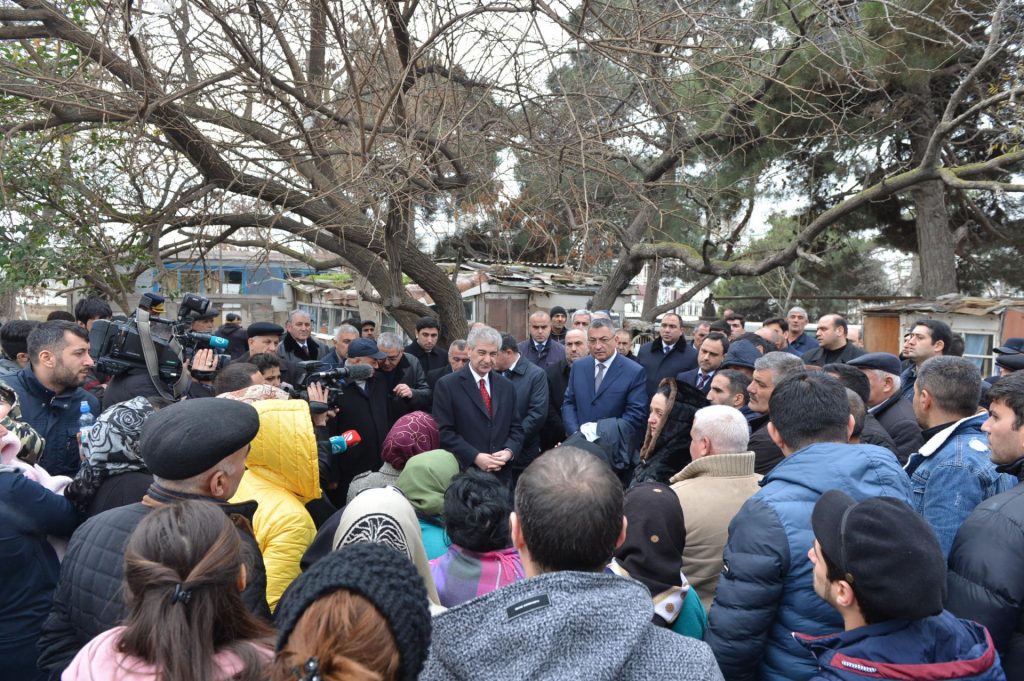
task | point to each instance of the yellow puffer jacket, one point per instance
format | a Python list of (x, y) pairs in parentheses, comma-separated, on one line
[(282, 475)]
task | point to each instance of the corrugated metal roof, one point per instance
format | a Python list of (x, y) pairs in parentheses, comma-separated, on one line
[(952, 304)]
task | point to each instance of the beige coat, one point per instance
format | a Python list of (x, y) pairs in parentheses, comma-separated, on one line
[(711, 491)]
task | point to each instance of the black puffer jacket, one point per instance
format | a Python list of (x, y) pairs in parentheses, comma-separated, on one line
[(984, 580), (666, 451), (89, 597)]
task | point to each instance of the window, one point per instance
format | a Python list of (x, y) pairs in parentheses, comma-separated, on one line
[(978, 349)]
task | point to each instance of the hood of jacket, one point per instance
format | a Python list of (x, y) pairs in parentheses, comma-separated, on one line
[(928, 649), (564, 625), (284, 451), (866, 470)]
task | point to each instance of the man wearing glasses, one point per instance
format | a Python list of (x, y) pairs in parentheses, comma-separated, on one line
[(404, 376), (604, 385)]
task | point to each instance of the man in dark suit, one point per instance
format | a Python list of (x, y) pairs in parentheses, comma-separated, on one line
[(553, 431), (458, 355), (667, 355), (604, 385), (475, 409), (886, 402), (540, 348), (709, 359), (531, 385)]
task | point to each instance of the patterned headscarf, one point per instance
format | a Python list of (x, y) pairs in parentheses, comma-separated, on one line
[(113, 445), (255, 393), (412, 434)]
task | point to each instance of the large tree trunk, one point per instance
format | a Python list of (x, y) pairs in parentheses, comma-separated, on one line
[(654, 270), (936, 244)]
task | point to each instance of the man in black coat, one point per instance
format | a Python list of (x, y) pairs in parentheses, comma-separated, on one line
[(553, 431), (424, 347), (983, 580), (365, 407), (886, 402), (195, 449), (531, 386), (405, 378), (667, 355), (475, 409), (833, 346), (768, 371)]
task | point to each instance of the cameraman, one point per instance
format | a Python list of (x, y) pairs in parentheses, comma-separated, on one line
[(136, 382)]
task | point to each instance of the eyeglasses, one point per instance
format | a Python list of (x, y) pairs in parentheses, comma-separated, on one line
[(392, 360), (603, 341)]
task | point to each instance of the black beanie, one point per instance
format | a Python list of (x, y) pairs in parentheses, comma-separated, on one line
[(557, 309), (382, 576), (883, 547), (188, 437)]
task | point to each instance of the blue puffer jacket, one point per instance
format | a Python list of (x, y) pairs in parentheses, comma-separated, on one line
[(766, 590), (942, 647)]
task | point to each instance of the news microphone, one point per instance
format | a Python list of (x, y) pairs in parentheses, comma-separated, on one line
[(340, 443)]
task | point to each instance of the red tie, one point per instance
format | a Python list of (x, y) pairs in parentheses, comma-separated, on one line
[(487, 397)]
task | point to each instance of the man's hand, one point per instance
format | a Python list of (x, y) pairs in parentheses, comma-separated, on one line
[(488, 462), (504, 456), (203, 361), (403, 391), (318, 393)]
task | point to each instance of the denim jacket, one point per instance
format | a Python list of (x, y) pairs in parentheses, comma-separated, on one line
[(951, 474)]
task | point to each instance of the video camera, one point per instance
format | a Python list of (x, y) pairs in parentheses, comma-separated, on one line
[(331, 379), (134, 343)]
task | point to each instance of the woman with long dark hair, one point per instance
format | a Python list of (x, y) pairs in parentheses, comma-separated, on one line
[(184, 576)]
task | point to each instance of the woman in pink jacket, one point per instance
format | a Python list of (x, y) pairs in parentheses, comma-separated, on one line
[(183, 580)]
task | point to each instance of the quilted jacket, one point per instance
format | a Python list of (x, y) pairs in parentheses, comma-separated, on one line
[(282, 476)]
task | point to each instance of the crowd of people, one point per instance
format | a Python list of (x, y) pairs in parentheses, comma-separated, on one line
[(570, 503)]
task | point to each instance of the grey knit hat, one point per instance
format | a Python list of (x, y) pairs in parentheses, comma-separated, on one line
[(382, 576)]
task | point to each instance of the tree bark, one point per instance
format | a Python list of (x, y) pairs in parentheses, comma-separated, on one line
[(936, 244), (654, 271)]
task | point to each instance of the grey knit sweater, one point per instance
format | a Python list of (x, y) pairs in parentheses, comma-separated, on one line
[(564, 625)]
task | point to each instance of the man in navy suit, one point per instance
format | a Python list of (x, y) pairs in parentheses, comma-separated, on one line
[(475, 409), (709, 359), (540, 348), (667, 355), (604, 385)]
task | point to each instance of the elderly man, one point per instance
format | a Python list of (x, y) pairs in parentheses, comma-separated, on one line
[(581, 319), (336, 357), (568, 619), (296, 344), (50, 393), (424, 346), (475, 409), (667, 355), (768, 371), (833, 346), (700, 332), (553, 431), (799, 342), (404, 377), (195, 449), (712, 489), (539, 348), (885, 402), (458, 355)]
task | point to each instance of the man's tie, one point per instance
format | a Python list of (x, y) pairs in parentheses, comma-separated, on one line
[(668, 349), (702, 380), (487, 397), (599, 378), (542, 351)]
